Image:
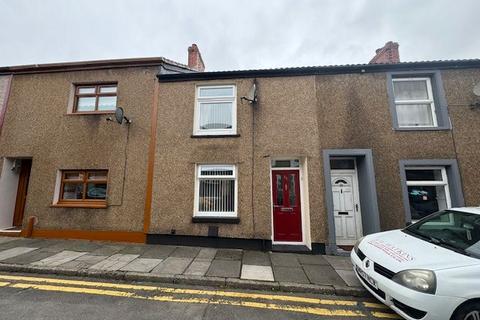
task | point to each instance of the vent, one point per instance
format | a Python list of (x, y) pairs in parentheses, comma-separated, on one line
[(212, 231), (383, 271), (409, 311), (360, 254)]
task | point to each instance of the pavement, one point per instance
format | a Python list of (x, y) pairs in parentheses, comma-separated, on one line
[(27, 296), (234, 268)]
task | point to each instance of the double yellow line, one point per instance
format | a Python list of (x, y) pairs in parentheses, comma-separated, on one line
[(212, 296)]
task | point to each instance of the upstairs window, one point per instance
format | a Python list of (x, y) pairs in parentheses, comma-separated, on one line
[(414, 102), (215, 110), (96, 98), (216, 194)]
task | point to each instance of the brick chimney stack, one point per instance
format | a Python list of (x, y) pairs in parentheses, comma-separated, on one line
[(195, 60), (387, 54)]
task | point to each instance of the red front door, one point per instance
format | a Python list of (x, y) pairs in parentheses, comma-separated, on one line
[(287, 217)]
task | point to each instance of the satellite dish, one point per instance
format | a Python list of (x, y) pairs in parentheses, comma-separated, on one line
[(476, 90), (120, 116), (252, 94)]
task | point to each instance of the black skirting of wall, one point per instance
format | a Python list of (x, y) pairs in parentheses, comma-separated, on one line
[(222, 242)]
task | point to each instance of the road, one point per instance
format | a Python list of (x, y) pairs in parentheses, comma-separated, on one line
[(52, 297)]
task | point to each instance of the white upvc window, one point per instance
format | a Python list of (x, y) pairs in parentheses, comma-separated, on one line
[(428, 190), (215, 110), (216, 191), (414, 102)]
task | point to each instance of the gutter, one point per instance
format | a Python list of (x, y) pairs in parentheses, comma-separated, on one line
[(322, 70)]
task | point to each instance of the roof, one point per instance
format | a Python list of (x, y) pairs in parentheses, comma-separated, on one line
[(92, 65), (474, 210), (322, 70)]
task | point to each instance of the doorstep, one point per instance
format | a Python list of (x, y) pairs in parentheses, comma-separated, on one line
[(10, 232), (233, 268)]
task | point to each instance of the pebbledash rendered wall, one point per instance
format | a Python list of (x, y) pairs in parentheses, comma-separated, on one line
[(37, 126), (301, 116)]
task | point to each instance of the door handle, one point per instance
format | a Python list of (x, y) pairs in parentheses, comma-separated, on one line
[(342, 213), (286, 209)]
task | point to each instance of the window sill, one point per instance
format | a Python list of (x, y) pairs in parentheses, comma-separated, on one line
[(92, 113), (80, 205), (226, 220), (213, 136), (443, 128)]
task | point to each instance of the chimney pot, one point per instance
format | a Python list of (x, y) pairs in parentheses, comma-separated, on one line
[(195, 60), (387, 54)]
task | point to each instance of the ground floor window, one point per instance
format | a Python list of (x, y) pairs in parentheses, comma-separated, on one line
[(428, 190), (83, 186), (216, 191)]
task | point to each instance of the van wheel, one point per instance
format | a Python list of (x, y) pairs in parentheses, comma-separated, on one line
[(469, 311)]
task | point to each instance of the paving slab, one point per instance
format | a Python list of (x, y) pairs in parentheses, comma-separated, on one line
[(142, 265), (224, 268), (229, 254), (115, 262), (30, 257), (185, 252), (349, 277), (323, 275), (83, 262), (198, 267), (312, 259), (6, 239), (59, 258), (158, 252), (81, 245), (339, 262), (10, 253), (172, 266), (290, 274), (23, 242), (284, 259), (134, 249), (107, 250), (253, 272), (206, 254), (256, 258)]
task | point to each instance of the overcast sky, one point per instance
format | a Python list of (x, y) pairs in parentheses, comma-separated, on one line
[(239, 34)]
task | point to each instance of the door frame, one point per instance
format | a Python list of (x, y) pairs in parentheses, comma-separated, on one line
[(367, 192), (22, 192), (356, 195), (305, 216)]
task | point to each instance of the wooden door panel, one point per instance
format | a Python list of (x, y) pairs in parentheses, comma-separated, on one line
[(22, 189)]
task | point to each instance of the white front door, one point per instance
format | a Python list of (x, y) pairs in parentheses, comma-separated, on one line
[(346, 207)]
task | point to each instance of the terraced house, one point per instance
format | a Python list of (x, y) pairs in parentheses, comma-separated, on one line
[(302, 159)]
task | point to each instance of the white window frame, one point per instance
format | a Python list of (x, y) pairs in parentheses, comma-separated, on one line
[(216, 99), (430, 100), (432, 183), (198, 177)]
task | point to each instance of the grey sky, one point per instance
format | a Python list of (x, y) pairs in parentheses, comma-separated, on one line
[(240, 34)]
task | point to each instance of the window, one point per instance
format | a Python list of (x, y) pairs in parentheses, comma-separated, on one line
[(342, 164), (294, 163), (83, 187), (99, 98), (216, 191), (428, 190), (414, 102), (417, 100), (215, 110)]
